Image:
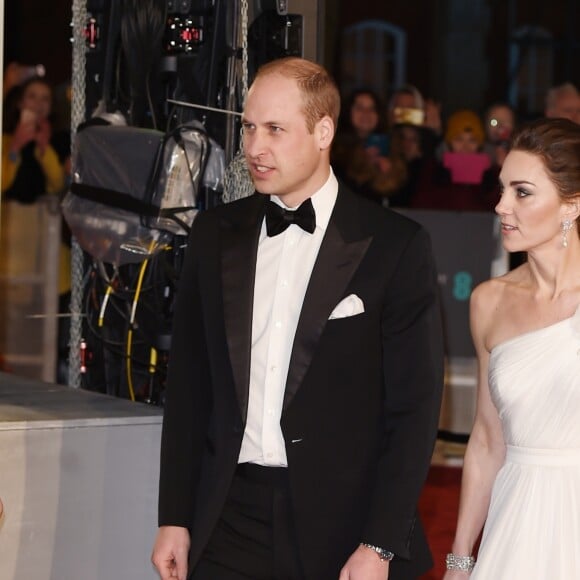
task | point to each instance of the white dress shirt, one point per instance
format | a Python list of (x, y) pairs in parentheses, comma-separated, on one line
[(283, 268)]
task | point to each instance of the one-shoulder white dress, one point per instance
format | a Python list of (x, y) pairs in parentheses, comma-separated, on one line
[(532, 530)]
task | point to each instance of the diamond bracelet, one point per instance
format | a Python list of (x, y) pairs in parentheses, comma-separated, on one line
[(463, 563)]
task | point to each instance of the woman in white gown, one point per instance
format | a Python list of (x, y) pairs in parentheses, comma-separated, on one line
[(521, 476)]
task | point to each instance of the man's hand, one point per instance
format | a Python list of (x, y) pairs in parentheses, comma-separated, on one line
[(170, 552), (364, 564)]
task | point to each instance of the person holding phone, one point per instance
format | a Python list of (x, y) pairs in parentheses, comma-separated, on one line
[(458, 181), (415, 132), (33, 165), (30, 165), (361, 151)]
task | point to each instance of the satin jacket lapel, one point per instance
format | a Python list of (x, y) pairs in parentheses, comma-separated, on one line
[(240, 242), (341, 252)]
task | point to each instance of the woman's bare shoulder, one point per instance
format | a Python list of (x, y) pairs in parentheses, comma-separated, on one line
[(490, 298), (492, 291), (486, 296)]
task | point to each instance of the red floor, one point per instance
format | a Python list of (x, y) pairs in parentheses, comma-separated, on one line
[(438, 508)]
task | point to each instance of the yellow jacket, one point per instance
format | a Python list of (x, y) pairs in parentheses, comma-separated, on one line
[(55, 180), (49, 161)]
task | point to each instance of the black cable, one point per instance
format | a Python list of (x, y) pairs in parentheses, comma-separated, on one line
[(142, 30)]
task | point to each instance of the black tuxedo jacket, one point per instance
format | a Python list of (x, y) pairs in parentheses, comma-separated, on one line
[(362, 397)]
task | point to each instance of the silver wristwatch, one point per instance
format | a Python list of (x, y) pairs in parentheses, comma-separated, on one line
[(384, 555)]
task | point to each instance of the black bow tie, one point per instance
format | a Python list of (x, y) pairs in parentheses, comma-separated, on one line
[(279, 218)]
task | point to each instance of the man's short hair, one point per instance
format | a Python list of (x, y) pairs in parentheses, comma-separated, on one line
[(319, 91)]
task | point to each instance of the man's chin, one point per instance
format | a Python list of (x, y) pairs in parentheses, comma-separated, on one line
[(264, 188)]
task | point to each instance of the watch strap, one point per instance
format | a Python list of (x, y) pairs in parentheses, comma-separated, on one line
[(384, 555)]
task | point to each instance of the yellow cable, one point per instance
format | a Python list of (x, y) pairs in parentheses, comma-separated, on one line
[(108, 293), (132, 320), (128, 365), (152, 361)]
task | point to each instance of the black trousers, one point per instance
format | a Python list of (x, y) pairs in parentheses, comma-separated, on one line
[(255, 537)]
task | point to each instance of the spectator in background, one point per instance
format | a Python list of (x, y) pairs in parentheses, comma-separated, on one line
[(464, 132), (34, 157), (30, 164), (456, 182), (563, 101), (16, 74), (407, 106), (500, 121), (415, 133), (360, 154)]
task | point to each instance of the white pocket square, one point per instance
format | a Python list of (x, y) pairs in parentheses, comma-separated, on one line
[(349, 306)]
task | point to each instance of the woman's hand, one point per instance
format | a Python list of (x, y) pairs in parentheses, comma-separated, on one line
[(24, 133), (43, 135), (456, 575), (382, 163)]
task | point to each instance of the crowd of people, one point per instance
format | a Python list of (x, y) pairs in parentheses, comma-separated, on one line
[(404, 154)]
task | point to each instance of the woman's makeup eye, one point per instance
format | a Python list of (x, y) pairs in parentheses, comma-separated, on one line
[(522, 192)]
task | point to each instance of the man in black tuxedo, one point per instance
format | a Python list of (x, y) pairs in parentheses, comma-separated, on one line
[(305, 373)]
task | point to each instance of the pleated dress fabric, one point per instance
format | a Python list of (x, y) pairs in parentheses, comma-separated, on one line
[(532, 530)]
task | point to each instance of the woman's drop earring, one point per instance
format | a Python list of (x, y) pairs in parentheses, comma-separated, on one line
[(566, 227)]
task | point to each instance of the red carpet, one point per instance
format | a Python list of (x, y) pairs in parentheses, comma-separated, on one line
[(438, 509)]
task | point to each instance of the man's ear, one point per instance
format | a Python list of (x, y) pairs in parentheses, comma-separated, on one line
[(325, 132)]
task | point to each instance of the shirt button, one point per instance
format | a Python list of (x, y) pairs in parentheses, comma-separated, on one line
[(284, 283), (278, 324), (269, 455), (273, 368), (270, 412)]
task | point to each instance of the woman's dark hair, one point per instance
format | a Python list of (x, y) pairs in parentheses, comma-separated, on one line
[(11, 108), (557, 143), (345, 123)]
